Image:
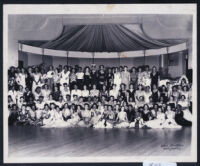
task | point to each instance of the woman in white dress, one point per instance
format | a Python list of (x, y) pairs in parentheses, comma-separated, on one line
[(117, 78), (46, 92), (65, 76), (122, 120), (185, 92), (22, 78), (65, 90), (170, 119), (74, 120), (158, 120), (96, 115), (114, 91), (147, 94), (36, 79), (125, 77), (185, 108), (139, 93), (146, 77), (85, 92), (66, 112), (86, 117)]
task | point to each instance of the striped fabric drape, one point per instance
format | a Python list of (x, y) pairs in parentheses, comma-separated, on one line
[(104, 38)]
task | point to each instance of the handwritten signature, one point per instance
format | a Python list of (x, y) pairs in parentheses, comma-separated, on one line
[(171, 146)]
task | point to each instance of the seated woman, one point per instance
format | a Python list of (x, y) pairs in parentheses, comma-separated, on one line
[(46, 115), (12, 120), (130, 113), (95, 114), (60, 102), (46, 92), (66, 112), (138, 121), (94, 91), (158, 118), (164, 93), (180, 120), (146, 113), (170, 121), (50, 116), (122, 120), (65, 90), (110, 119), (139, 93), (147, 94), (171, 102), (185, 108), (74, 120), (85, 93), (86, 116), (140, 102), (114, 91), (22, 116), (175, 93)]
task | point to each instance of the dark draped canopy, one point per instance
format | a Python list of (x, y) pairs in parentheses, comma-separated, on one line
[(103, 38)]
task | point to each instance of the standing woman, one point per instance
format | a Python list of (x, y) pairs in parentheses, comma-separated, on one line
[(126, 77), (36, 78), (94, 77), (87, 77), (117, 78), (140, 76), (29, 79), (133, 77), (65, 76), (72, 78), (155, 77), (155, 94), (50, 76), (109, 77), (22, 76), (101, 78), (146, 77)]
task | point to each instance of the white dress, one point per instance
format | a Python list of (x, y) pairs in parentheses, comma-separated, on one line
[(46, 94), (36, 81), (186, 112), (86, 115), (170, 121), (122, 120), (158, 122), (22, 80), (64, 77), (117, 80)]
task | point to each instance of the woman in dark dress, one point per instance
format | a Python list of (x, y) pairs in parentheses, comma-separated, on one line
[(101, 78), (179, 117), (155, 77), (155, 94), (94, 77), (109, 77), (131, 92), (87, 78), (29, 79), (146, 113)]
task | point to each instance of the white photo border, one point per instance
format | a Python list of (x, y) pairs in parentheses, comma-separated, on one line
[(100, 9)]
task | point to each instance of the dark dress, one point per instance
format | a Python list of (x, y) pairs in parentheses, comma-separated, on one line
[(29, 81), (94, 78), (131, 94), (154, 79), (181, 121), (87, 81), (130, 115), (155, 96), (145, 116), (28, 95), (101, 80), (109, 78)]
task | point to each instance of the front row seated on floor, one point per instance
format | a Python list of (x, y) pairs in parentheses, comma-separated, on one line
[(102, 116)]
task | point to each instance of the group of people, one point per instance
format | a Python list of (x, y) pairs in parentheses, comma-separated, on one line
[(98, 97)]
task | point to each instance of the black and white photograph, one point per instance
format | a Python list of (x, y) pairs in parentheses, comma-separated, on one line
[(100, 83)]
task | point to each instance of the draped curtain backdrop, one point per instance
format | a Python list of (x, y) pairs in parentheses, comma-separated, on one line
[(103, 38)]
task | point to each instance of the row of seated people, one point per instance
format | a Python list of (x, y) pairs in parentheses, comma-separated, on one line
[(23, 100)]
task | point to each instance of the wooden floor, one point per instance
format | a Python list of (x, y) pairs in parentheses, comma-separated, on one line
[(42, 142)]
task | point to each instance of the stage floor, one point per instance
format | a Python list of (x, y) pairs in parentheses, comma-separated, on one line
[(61, 142)]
